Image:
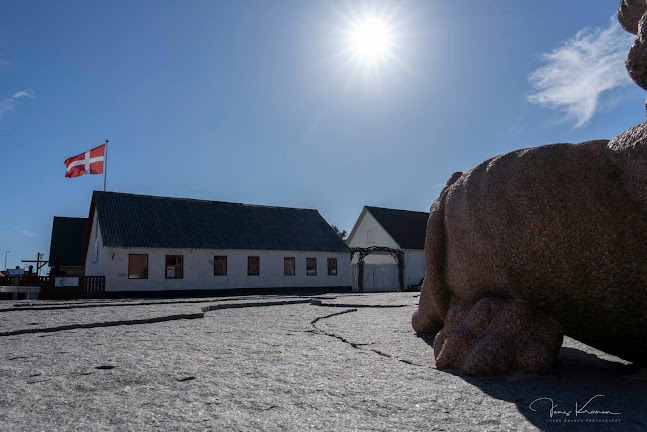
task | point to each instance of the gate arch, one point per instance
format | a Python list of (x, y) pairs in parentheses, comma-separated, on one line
[(397, 254)]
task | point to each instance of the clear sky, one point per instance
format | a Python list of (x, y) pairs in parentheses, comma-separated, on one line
[(263, 102)]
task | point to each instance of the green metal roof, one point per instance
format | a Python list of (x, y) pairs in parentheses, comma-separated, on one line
[(128, 220)]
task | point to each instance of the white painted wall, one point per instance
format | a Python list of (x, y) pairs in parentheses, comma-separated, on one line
[(381, 237), (97, 268), (414, 266), (198, 270)]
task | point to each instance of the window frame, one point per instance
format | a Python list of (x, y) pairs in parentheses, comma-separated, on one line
[(315, 268), (129, 272), (336, 271), (294, 266), (166, 276), (249, 258), (216, 259), (370, 236)]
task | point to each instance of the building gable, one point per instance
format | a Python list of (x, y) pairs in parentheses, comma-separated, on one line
[(407, 228), (368, 232)]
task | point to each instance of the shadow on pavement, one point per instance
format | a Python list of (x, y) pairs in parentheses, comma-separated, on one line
[(577, 378)]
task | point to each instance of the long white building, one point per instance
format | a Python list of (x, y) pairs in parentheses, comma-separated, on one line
[(144, 244)]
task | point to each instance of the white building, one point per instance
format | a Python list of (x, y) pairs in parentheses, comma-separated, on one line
[(144, 244), (396, 229)]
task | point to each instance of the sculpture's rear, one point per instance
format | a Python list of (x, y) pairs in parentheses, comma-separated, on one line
[(552, 239)]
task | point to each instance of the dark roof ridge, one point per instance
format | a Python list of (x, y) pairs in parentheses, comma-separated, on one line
[(204, 200), (394, 209)]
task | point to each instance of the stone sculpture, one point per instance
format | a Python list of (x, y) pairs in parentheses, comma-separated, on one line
[(542, 242)]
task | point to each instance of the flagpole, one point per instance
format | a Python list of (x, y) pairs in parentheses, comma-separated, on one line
[(105, 166)]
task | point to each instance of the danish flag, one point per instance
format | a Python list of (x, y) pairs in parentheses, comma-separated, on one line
[(90, 162)]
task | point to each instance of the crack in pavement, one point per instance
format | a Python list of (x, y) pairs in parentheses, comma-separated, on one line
[(102, 324), (175, 317), (89, 306), (356, 306), (69, 306), (358, 346), (204, 310), (252, 304)]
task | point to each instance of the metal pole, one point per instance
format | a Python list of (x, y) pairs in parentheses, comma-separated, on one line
[(105, 166), (5, 259)]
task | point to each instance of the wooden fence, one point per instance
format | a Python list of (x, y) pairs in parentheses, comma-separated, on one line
[(94, 286), (377, 277), (89, 287)]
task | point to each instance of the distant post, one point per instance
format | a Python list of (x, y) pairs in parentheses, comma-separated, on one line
[(105, 166)]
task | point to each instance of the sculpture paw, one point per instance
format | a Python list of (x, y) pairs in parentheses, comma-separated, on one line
[(495, 336)]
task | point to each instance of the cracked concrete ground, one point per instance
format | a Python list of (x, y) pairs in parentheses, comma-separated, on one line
[(332, 362)]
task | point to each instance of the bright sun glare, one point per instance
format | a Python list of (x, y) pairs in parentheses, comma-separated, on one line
[(370, 40)]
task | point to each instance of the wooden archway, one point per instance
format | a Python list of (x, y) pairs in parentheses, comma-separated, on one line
[(397, 255)]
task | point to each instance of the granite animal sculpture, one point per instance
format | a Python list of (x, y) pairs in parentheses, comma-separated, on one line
[(540, 243)]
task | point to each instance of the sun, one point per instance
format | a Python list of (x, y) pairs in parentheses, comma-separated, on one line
[(371, 43), (370, 39)]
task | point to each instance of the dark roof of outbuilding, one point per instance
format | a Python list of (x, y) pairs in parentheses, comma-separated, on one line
[(68, 235), (407, 228), (128, 220)]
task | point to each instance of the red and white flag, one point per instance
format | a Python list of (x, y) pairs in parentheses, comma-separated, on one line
[(90, 162)]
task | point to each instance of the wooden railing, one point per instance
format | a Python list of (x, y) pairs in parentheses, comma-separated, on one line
[(89, 287), (94, 286), (33, 280)]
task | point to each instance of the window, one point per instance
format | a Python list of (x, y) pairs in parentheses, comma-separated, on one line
[(332, 266), (137, 266), (370, 236), (220, 266), (95, 252), (311, 266), (288, 266), (174, 267), (253, 266)]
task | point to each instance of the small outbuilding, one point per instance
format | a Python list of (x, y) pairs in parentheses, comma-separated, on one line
[(148, 244), (66, 247), (402, 231)]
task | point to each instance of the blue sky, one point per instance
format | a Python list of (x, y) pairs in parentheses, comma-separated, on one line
[(261, 102)]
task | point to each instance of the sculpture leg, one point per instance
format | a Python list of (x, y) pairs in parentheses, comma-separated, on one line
[(426, 318), (495, 336)]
